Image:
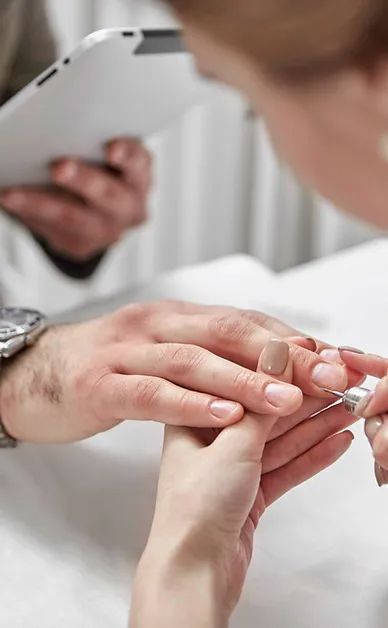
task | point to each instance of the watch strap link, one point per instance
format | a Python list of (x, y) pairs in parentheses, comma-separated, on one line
[(6, 441)]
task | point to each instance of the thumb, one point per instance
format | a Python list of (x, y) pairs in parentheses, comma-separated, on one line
[(373, 365), (180, 441), (244, 441)]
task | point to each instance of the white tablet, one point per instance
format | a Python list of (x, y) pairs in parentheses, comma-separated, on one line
[(116, 83)]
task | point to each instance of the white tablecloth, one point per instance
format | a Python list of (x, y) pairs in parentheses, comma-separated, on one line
[(73, 520)]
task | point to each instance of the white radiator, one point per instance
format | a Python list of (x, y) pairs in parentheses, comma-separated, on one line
[(219, 190)]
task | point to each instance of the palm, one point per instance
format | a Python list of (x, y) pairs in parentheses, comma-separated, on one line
[(296, 452)]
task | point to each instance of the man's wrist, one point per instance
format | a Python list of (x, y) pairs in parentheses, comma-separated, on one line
[(171, 589), (17, 376), (5, 402), (7, 441)]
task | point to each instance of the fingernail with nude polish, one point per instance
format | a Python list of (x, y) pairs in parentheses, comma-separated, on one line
[(275, 357), (381, 475), (351, 350), (305, 341), (372, 426), (313, 344)]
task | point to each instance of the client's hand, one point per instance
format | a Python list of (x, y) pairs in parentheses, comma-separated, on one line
[(376, 407), (90, 207), (213, 488), (176, 363)]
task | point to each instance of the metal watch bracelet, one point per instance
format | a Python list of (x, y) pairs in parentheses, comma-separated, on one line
[(19, 329), (6, 441)]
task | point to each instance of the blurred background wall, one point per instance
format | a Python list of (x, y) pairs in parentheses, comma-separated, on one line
[(219, 190)]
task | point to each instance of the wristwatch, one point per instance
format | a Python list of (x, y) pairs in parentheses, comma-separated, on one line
[(19, 328)]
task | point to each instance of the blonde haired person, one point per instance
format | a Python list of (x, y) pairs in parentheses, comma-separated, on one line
[(317, 71)]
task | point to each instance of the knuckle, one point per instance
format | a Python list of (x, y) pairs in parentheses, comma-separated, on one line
[(185, 403), (230, 329), (245, 382), (259, 318), (94, 185), (303, 359), (134, 313), (182, 359), (146, 394)]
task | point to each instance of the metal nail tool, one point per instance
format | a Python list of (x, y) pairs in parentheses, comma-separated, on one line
[(351, 398)]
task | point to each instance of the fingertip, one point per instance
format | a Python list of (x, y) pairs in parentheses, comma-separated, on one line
[(339, 444), (64, 170), (344, 442), (380, 446), (370, 364), (284, 399), (331, 355), (226, 412), (329, 375), (355, 377), (119, 151)]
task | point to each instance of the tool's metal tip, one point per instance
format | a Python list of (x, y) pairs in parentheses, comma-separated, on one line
[(334, 392)]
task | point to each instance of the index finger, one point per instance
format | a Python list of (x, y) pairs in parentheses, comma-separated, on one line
[(369, 364), (103, 190), (377, 404), (133, 160), (236, 338)]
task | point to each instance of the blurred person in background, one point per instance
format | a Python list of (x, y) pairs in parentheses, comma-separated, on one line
[(88, 208), (317, 72)]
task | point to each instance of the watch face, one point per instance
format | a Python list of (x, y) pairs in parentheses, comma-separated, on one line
[(14, 322)]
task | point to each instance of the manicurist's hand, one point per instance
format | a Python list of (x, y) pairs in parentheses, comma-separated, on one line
[(375, 407), (175, 363), (89, 206), (214, 486)]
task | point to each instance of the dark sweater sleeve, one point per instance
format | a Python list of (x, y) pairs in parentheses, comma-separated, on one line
[(36, 51), (72, 268)]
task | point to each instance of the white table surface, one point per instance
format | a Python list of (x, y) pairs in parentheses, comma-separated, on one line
[(73, 520)]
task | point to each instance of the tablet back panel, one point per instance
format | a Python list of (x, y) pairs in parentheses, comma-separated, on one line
[(117, 83)]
